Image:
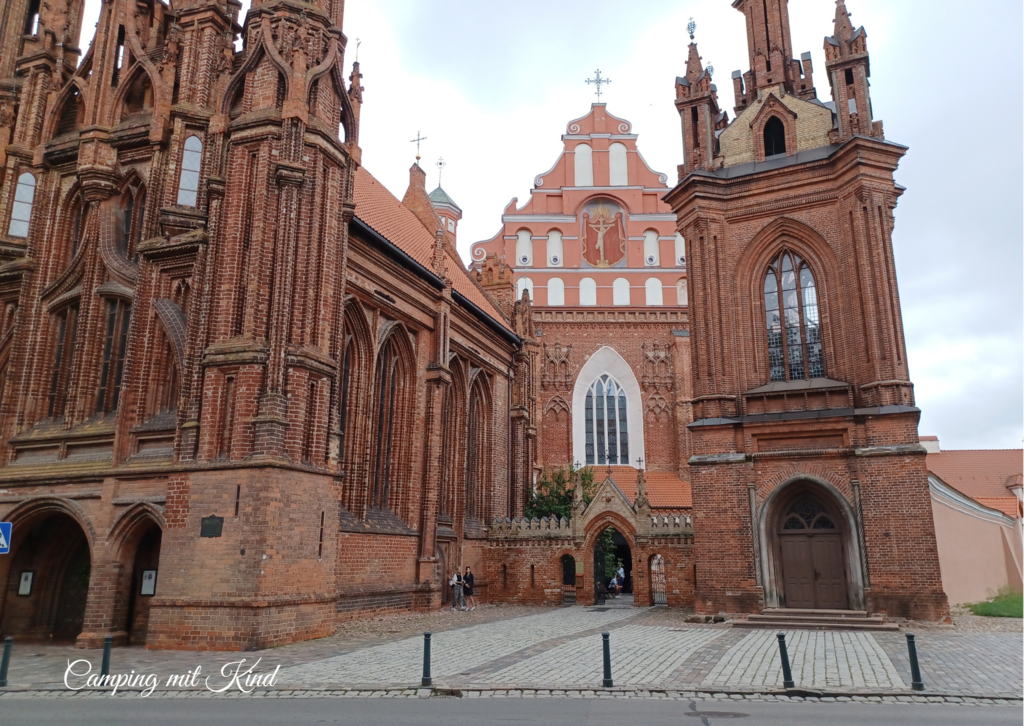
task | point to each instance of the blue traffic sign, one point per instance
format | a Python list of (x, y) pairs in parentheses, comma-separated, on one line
[(5, 537)]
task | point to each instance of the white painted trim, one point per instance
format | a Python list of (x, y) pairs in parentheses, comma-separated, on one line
[(653, 218), (945, 494), (607, 360)]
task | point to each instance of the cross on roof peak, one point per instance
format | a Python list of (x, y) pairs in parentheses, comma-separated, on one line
[(417, 141), (597, 80)]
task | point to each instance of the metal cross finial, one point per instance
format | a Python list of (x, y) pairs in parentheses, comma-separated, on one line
[(597, 80), (417, 141), (639, 463), (358, 43), (690, 27), (440, 164)]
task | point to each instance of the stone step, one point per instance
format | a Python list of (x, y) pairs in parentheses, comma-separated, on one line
[(873, 622), (809, 611)]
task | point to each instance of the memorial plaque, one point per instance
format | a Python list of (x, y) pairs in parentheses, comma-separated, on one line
[(212, 527), (148, 582), (25, 583)]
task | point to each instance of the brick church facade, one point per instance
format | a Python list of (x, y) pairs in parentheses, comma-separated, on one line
[(246, 392)]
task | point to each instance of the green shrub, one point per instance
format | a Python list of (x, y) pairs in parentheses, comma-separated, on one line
[(552, 497)]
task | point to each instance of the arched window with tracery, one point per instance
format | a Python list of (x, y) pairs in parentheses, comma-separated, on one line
[(774, 137), (388, 385), (63, 358), (21, 210), (791, 312), (607, 425), (191, 163), (476, 456), (115, 351)]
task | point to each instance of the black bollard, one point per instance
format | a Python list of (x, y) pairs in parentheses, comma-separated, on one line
[(787, 674), (915, 669), (426, 659), (607, 683), (8, 644), (108, 640)]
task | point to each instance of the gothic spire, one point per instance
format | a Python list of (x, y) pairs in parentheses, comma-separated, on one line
[(843, 29)]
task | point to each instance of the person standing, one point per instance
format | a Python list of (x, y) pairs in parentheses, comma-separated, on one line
[(467, 588), (458, 600)]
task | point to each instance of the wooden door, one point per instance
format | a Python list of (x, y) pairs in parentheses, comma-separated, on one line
[(829, 572), (797, 570), (813, 565)]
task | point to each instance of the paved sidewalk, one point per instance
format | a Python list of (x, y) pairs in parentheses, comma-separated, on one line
[(533, 652)]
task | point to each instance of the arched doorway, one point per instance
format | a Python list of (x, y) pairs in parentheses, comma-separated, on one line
[(144, 578), (811, 550), (612, 558), (47, 580), (568, 579), (659, 592)]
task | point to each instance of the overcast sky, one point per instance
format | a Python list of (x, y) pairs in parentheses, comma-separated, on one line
[(492, 86)]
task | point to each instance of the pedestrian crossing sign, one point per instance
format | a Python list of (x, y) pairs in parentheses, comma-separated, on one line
[(5, 537)]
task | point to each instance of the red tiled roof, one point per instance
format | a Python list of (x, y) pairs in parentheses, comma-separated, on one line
[(1007, 505), (664, 489), (985, 475), (382, 211)]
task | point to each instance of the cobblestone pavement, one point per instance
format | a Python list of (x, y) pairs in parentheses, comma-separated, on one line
[(534, 652), (453, 652), (983, 663), (818, 660)]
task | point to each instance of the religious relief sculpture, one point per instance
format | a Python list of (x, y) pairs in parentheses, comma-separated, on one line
[(603, 234)]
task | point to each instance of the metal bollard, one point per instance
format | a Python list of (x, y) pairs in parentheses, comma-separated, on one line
[(787, 674), (8, 644), (915, 669), (426, 660), (108, 640), (607, 683)]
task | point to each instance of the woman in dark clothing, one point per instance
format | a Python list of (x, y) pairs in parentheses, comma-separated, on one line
[(467, 588)]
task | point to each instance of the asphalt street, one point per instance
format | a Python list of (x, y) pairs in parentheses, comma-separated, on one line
[(456, 712)]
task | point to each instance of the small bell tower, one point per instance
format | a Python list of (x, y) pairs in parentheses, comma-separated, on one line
[(849, 66)]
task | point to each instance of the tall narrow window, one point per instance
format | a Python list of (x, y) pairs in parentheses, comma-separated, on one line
[(191, 163), (21, 211), (606, 425), (386, 383), (653, 291), (524, 283), (114, 350), (588, 291), (652, 249), (475, 456), (774, 137), (791, 312), (32, 18), (78, 214), (618, 166), (556, 291), (346, 368), (524, 248), (119, 58), (583, 158), (555, 249), (63, 357), (620, 291)]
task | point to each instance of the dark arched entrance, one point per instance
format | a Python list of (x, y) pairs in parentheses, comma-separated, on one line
[(811, 553), (568, 579), (48, 580), (611, 555), (144, 578)]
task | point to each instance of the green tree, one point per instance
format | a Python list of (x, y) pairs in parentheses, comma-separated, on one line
[(611, 563), (553, 494)]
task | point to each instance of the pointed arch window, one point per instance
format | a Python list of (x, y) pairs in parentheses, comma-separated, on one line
[(606, 421), (475, 458), (387, 385), (115, 348), (774, 137), (191, 163), (791, 312), (63, 358), (21, 211)]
